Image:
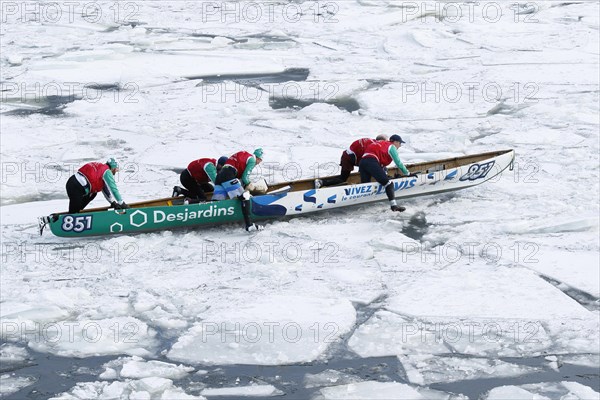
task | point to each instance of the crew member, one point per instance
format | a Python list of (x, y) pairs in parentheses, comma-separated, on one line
[(199, 177), (90, 179), (350, 158), (377, 156), (234, 177)]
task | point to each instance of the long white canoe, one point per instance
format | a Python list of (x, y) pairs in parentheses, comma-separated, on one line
[(283, 200), (432, 177)]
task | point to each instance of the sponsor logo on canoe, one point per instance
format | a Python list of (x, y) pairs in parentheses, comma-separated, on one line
[(139, 218), (353, 193), (477, 171), (185, 215), (404, 184)]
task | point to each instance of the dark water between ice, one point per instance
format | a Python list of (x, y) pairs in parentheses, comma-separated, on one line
[(59, 374)]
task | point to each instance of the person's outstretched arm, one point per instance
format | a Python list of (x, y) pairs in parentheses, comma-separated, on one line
[(394, 153), (250, 164)]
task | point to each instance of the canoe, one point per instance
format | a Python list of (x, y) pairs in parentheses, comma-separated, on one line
[(286, 199)]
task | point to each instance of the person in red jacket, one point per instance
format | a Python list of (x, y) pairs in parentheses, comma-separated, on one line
[(198, 177), (377, 156), (90, 179), (234, 177), (350, 158)]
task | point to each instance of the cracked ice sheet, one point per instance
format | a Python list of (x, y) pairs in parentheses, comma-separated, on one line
[(244, 391), (477, 311), (478, 291), (146, 388), (543, 391), (586, 360), (382, 390), (47, 324), (577, 269), (138, 368), (428, 369), (12, 383), (271, 331)]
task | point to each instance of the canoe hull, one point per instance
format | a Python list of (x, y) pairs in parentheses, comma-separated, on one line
[(146, 219), (273, 206), (303, 202)]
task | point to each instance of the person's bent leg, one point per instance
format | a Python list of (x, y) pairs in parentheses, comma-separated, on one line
[(367, 168), (381, 177), (88, 199), (192, 188), (245, 204), (207, 187), (235, 190), (347, 163), (76, 194)]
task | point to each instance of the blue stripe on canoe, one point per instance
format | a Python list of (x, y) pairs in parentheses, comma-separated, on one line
[(262, 205), (451, 175), (309, 196)]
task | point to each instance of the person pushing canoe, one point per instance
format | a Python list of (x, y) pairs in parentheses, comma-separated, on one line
[(90, 179), (199, 177), (234, 180), (377, 156), (350, 158)]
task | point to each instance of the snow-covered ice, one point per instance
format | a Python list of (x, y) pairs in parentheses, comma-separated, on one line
[(543, 391), (244, 391), (145, 388), (381, 390), (11, 383), (428, 369), (138, 368), (270, 331), (506, 269)]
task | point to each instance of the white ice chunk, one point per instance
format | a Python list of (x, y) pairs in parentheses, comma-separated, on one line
[(137, 368), (586, 360), (388, 334), (428, 369), (268, 331), (329, 377), (545, 390), (244, 391), (473, 293), (11, 383), (576, 268), (10, 353), (121, 335), (381, 390), (146, 388)]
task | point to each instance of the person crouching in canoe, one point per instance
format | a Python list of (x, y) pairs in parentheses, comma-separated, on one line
[(199, 177), (350, 158), (377, 156), (233, 180), (90, 179)]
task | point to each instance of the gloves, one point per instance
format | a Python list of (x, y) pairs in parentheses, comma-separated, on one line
[(117, 206), (399, 175)]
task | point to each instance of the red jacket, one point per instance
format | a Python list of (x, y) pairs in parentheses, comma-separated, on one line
[(196, 169), (379, 151), (239, 161), (94, 172), (358, 147)]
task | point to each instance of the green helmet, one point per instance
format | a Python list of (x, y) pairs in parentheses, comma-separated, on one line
[(112, 163), (258, 153)]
